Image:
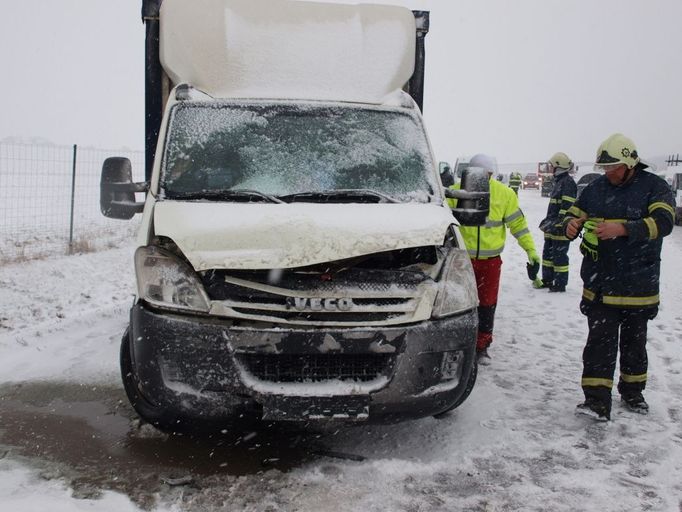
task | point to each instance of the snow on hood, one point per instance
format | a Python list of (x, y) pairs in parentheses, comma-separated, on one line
[(270, 236), (288, 49)]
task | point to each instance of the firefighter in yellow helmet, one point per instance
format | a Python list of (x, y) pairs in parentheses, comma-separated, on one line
[(623, 216), (555, 249), (485, 244)]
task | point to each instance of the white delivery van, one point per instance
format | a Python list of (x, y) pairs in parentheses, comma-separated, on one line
[(297, 260)]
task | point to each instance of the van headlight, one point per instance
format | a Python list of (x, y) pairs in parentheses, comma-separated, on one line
[(457, 290), (164, 280)]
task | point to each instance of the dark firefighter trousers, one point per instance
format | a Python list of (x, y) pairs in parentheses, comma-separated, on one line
[(555, 261), (610, 329)]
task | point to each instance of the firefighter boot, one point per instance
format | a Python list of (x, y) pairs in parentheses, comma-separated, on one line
[(482, 357), (635, 402), (595, 409)]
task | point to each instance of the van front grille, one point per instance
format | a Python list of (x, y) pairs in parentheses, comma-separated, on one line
[(316, 317), (358, 298), (316, 367)]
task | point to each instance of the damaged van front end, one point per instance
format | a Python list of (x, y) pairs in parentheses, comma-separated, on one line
[(382, 335)]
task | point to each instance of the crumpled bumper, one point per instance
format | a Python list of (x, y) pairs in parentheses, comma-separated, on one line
[(206, 367)]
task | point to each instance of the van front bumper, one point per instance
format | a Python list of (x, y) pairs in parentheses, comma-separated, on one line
[(209, 368)]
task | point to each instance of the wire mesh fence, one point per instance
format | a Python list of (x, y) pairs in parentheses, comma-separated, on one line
[(49, 201)]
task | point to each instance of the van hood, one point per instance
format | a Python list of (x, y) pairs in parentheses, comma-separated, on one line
[(274, 236)]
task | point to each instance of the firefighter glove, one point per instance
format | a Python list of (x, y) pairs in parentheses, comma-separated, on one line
[(590, 243), (533, 269), (533, 265)]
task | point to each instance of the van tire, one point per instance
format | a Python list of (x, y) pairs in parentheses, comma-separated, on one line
[(467, 391), (152, 414)]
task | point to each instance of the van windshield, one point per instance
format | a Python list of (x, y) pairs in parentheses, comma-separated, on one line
[(288, 150)]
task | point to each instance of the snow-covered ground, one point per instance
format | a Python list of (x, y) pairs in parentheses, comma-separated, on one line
[(514, 445)]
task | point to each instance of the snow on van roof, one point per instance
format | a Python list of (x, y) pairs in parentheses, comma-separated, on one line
[(288, 49)]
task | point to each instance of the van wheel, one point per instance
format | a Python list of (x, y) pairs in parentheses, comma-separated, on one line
[(467, 391), (157, 416)]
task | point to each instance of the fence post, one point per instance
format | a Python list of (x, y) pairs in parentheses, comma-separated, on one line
[(73, 196)]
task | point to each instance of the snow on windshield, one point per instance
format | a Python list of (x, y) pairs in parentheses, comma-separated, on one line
[(286, 149)]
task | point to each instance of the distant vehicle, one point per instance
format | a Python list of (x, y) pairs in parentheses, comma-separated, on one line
[(667, 174), (461, 164), (677, 189), (546, 176), (585, 180), (531, 181)]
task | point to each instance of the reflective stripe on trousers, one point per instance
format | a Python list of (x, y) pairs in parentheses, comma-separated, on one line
[(610, 329), (555, 262)]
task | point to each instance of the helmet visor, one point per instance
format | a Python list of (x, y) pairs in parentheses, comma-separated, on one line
[(603, 167), (556, 169)]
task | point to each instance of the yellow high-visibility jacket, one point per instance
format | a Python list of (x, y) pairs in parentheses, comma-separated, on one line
[(487, 241)]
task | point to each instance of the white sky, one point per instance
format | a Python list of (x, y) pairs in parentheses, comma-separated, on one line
[(518, 79)]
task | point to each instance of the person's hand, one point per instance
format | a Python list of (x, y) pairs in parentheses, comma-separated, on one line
[(533, 265), (574, 226), (606, 230)]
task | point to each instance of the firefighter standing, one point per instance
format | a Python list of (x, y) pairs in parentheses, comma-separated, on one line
[(623, 215), (515, 182), (555, 248), (485, 244)]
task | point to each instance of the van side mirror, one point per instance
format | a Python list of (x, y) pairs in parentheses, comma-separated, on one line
[(117, 190), (473, 197)]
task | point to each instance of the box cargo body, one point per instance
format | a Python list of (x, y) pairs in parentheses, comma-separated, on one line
[(297, 260)]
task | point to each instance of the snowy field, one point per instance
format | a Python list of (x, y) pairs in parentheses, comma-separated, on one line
[(37, 187), (514, 445)]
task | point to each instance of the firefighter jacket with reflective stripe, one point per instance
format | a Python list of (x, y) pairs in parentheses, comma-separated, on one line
[(624, 271), (515, 180), (487, 241), (560, 200)]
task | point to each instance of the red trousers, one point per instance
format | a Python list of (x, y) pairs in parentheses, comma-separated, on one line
[(487, 274)]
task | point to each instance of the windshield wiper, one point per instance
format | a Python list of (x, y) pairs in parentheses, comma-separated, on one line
[(219, 194), (322, 196)]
